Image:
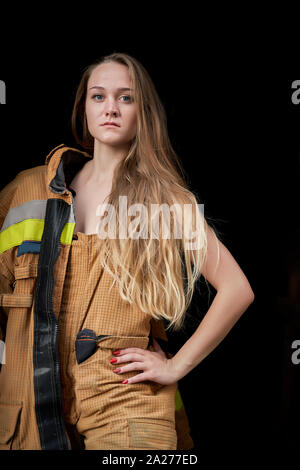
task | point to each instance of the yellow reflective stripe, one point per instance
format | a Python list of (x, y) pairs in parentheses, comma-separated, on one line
[(30, 229), (178, 400), (14, 235), (67, 233)]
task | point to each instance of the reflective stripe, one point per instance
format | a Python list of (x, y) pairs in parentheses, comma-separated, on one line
[(19, 229), (178, 400), (35, 209), (67, 233), (30, 229)]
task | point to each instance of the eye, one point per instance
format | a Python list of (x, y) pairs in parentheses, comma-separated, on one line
[(94, 96), (127, 96)]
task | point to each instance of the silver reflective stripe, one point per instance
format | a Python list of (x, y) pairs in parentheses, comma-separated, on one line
[(72, 213), (35, 209)]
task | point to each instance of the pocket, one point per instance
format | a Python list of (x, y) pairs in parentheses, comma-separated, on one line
[(99, 392), (149, 433), (23, 287), (16, 300), (27, 271), (9, 419), (87, 343), (121, 342)]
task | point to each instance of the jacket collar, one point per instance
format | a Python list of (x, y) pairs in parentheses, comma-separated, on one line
[(63, 163)]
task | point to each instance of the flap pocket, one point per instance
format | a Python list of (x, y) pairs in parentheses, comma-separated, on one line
[(9, 415), (16, 300), (87, 343), (24, 272), (122, 342), (149, 433)]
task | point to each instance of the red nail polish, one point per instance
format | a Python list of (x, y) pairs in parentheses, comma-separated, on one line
[(116, 370), (116, 352), (125, 382), (112, 361)]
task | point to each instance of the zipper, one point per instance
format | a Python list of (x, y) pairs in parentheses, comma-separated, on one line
[(55, 343), (58, 399)]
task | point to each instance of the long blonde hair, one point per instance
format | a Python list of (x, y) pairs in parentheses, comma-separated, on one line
[(156, 274)]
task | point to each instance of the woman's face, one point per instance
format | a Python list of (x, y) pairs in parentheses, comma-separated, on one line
[(109, 98)]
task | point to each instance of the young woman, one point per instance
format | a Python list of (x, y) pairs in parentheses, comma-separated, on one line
[(89, 292)]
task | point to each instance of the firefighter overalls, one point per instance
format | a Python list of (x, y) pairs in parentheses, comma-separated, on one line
[(94, 322)]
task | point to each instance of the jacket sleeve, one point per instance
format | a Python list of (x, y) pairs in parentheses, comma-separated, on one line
[(5, 288), (6, 262)]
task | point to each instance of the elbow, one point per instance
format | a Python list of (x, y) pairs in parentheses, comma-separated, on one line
[(249, 294), (241, 290), (246, 292)]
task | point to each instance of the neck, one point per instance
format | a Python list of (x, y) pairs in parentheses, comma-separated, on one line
[(104, 162)]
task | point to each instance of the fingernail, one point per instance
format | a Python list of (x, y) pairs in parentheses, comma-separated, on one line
[(112, 361), (116, 352), (125, 382), (116, 370)]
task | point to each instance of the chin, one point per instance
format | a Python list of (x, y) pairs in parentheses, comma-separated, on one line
[(109, 141)]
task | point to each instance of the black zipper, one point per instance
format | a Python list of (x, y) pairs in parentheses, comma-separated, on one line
[(61, 432), (47, 382)]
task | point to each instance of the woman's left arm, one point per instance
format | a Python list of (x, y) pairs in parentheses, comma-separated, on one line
[(233, 297)]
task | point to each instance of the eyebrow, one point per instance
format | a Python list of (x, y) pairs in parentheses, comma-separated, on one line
[(118, 89)]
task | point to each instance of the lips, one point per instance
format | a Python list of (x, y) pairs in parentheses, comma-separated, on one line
[(110, 124)]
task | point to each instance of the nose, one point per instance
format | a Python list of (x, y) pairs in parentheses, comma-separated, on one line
[(112, 109)]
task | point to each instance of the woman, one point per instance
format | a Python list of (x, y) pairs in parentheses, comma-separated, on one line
[(106, 360)]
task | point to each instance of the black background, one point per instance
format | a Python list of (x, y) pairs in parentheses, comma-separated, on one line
[(236, 131)]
